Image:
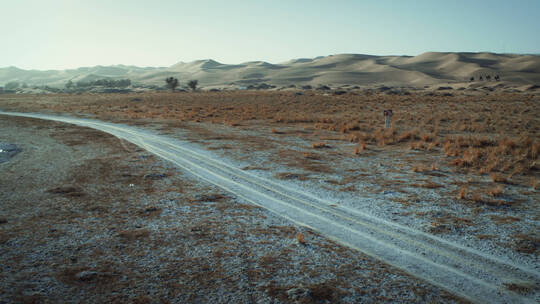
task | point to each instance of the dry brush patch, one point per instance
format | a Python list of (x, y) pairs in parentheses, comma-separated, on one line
[(167, 240), (486, 133), (492, 138)]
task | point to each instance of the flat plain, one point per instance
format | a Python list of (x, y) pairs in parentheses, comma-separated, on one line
[(460, 164)]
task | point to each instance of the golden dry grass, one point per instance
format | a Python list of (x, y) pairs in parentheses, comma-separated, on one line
[(496, 133)]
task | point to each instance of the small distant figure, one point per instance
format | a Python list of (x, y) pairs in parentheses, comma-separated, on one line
[(480, 78), (497, 78), (472, 79), (387, 117), (488, 78)]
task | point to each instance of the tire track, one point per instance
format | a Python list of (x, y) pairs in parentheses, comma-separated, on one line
[(464, 271)]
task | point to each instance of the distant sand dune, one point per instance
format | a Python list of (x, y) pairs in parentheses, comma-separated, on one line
[(427, 69)]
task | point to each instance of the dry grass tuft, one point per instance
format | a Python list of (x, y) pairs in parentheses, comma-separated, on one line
[(497, 178), (527, 243), (462, 193), (504, 219), (418, 169), (522, 288), (290, 175), (300, 239), (312, 156), (319, 145), (534, 184), (132, 235), (495, 191), (69, 191), (428, 185), (358, 148)]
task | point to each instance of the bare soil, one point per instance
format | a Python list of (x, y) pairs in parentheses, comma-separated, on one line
[(85, 217)]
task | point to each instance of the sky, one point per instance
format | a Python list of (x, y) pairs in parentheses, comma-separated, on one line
[(60, 34)]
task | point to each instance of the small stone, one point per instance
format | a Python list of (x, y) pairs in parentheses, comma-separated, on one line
[(298, 293), (154, 176), (86, 275)]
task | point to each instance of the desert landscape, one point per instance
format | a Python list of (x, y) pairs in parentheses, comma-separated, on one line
[(270, 152), (458, 165), (342, 71)]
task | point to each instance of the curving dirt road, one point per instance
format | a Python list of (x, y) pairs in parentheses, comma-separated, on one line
[(464, 271)]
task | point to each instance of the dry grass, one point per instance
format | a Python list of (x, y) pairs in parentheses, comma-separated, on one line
[(319, 145), (360, 147), (462, 193), (504, 219), (522, 288), (300, 238), (527, 243), (496, 133), (495, 191), (497, 178), (171, 243)]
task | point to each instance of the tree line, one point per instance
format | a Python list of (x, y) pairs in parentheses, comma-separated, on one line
[(109, 83), (172, 83)]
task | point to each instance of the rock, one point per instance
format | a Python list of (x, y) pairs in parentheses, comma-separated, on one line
[(7, 151), (154, 176), (69, 191), (86, 275), (298, 293)]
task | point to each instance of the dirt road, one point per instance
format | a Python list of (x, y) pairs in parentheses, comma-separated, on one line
[(464, 271)]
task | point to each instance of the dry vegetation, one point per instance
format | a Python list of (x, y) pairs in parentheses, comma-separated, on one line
[(72, 229), (478, 150), (493, 134)]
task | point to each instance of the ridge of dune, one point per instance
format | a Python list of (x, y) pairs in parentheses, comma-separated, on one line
[(353, 69)]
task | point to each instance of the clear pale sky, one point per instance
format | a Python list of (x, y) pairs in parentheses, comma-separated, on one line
[(58, 34)]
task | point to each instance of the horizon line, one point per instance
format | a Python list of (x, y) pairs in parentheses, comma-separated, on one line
[(244, 62)]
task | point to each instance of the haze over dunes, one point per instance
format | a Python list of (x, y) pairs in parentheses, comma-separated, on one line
[(344, 69)]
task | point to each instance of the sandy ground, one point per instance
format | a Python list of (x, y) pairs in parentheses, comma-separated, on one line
[(467, 272), (88, 218)]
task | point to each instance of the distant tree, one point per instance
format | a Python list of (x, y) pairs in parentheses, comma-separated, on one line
[(24, 85), (69, 84), (82, 84), (488, 78), (123, 83), (192, 84), (472, 79), (481, 78), (11, 85), (497, 78), (172, 83)]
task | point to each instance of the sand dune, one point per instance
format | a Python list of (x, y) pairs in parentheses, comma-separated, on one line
[(428, 69)]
